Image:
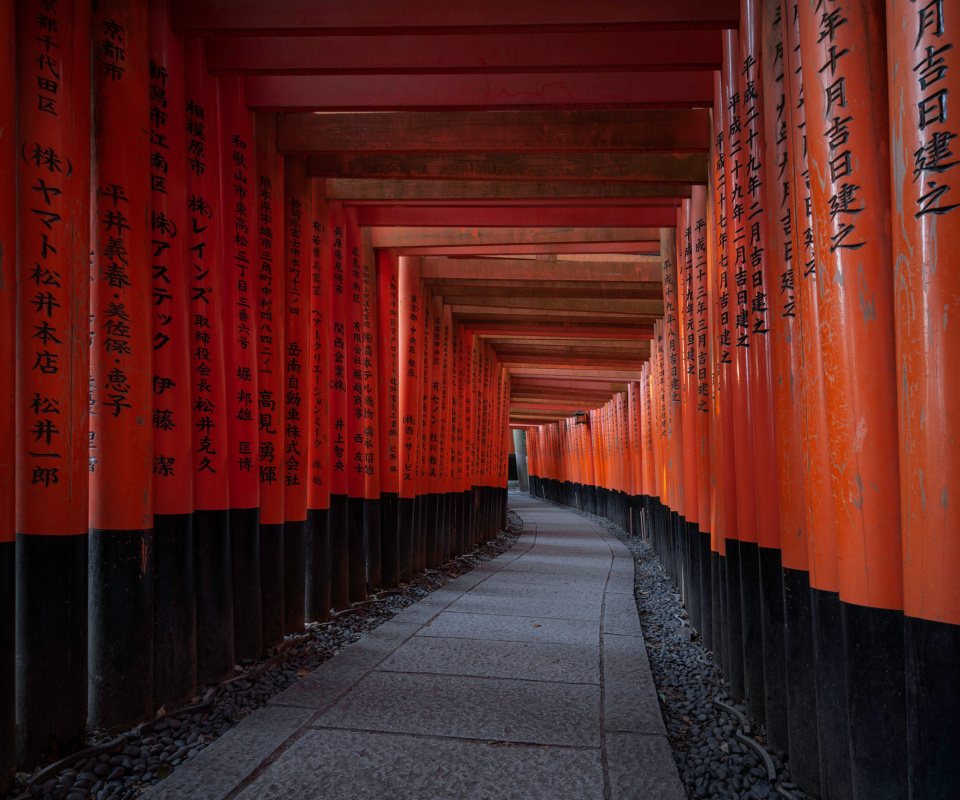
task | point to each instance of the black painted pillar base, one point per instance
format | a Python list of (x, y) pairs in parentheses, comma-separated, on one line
[(8, 717), (733, 629), (466, 514), (933, 707), (371, 538), (294, 575), (339, 553), (271, 585), (357, 549), (51, 670), (706, 590), (416, 537), (389, 540), (833, 721), (245, 546), (120, 607), (405, 538), (717, 571), (174, 611), (804, 746), (752, 616), (420, 551), (774, 649), (432, 529), (693, 562), (876, 697), (317, 587), (214, 582)]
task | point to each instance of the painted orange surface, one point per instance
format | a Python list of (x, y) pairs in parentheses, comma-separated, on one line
[(54, 376), (8, 279), (924, 59), (172, 423), (848, 147), (318, 353)]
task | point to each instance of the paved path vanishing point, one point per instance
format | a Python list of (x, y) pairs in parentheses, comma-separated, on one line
[(525, 678)]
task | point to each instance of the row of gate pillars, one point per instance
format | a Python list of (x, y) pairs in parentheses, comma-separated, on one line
[(790, 449), (232, 415)]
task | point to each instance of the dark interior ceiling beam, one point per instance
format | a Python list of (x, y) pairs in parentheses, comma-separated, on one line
[(380, 190), (434, 237), (530, 270), (384, 216), (546, 131), (648, 247), (669, 168), (325, 17), (452, 53), (559, 90)]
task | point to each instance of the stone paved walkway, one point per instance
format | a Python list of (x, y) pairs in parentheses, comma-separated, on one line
[(525, 678)]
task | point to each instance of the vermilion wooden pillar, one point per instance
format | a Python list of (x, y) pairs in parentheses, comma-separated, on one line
[(240, 286), (764, 276), (371, 421), (691, 533), (698, 374), (718, 345), (8, 355), (212, 552), (389, 358), (174, 588), (121, 480), (317, 588), (446, 441), (792, 684), (355, 451), (924, 67), (409, 380), (339, 371), (789, 220), (436, 532), (742, 534), (53, 323), (297, 216), (845, 99), (269, 353), (831, 774)]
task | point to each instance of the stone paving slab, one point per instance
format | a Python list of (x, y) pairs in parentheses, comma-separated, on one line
[(482, 658), (351, 765), (525, 678)]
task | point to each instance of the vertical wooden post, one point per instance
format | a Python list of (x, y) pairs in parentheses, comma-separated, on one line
[(339, 371), (389, 361), (8, 377), (53, 231), (743, 528), (297, 216), (174, 587), (832, 773), (121, 481), (238, 193), (270, 334), (757, 63), (317, 588), (353, 338), (924, 66), (790, 220), (411, 344), (698, 373), (847, 138), (371, 421)]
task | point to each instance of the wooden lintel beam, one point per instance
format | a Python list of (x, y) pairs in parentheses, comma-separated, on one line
[(647, 248), (543, 271), (447, 237), (357, 189), (664, 168), (548, 131), (454, 53), (386, 216), (330, 17), (536, 301)]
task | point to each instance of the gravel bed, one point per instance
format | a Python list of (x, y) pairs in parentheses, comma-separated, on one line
[(120, 767), (720, 754)]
